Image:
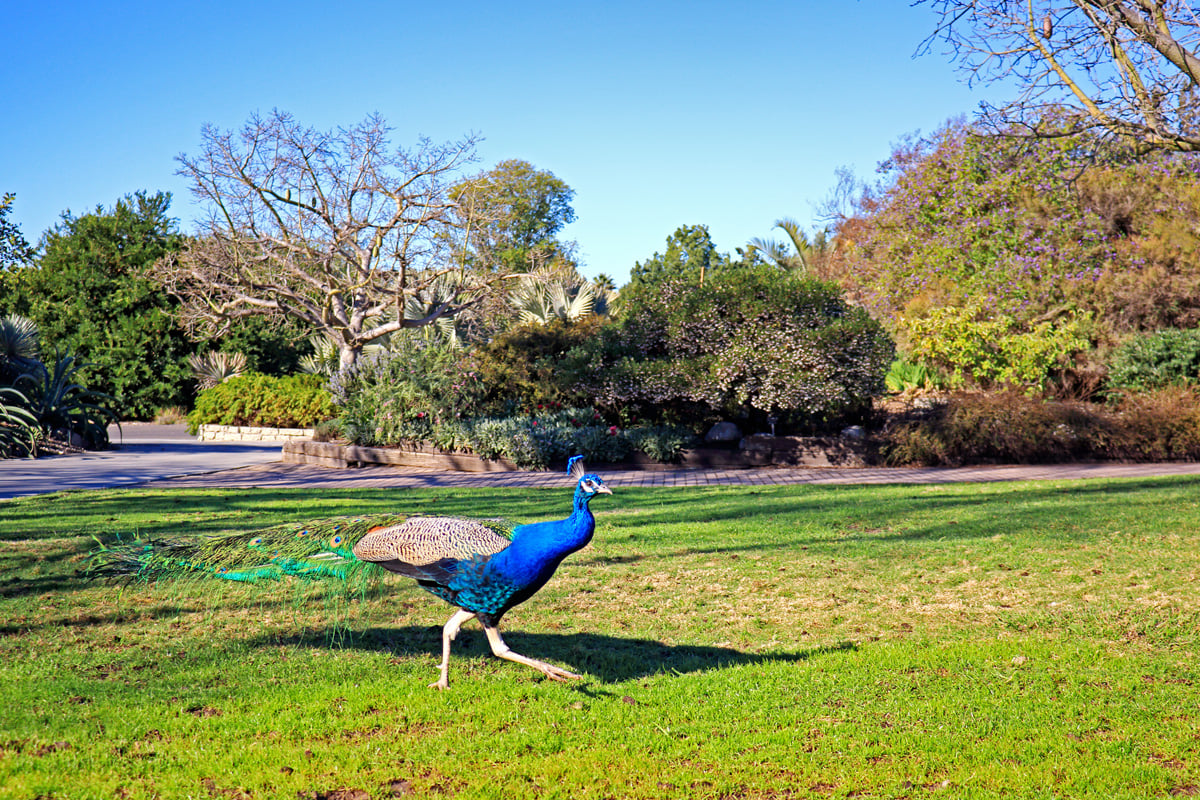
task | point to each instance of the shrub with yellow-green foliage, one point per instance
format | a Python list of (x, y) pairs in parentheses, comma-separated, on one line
[(972, 345), (253, 399)]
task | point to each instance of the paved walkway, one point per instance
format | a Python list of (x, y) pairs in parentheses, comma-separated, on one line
[(165, 456), (280, 475), (144, 452)]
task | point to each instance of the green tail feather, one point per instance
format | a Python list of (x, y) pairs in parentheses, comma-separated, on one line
[(314, 550)]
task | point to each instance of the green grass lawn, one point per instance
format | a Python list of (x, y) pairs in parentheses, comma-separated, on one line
[(1000, 640)]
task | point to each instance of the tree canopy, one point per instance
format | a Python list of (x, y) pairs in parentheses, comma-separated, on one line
[(1126, 68), (14, 249), (513, 214), (88, 294), (690, 254), (332, 228)]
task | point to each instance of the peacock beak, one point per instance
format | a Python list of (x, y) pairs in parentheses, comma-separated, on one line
[(602, 489)]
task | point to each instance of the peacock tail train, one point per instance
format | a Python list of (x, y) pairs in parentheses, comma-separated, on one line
[(314, 550)]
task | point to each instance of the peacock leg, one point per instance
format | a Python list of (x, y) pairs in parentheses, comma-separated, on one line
[(449, 633), (501, 650)]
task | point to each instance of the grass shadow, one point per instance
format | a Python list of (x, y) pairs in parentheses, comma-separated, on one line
[(610, 659)]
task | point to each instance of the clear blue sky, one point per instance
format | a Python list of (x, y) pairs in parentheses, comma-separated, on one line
[(657, 114)]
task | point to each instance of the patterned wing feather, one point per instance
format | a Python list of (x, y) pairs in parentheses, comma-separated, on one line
[(422, 541)]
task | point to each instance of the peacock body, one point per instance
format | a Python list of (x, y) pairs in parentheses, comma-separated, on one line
[(483, 566)]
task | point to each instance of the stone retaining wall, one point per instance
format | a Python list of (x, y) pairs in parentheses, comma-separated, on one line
[(231, 433)]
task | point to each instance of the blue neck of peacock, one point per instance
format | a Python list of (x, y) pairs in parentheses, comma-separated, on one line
[(581, 523)]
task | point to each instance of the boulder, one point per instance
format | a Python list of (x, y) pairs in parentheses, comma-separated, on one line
[(723, 433)]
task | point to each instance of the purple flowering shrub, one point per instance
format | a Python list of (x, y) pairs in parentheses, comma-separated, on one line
[(1038, 235)]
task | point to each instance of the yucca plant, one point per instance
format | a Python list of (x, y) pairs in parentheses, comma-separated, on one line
[(211, 368), (18, 425)]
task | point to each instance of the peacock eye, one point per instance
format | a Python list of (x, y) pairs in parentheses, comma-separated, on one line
[(256, 541), (302, 533), (335, 541)]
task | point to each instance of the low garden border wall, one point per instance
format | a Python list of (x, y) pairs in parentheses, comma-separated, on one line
[(245, 433), (753, 451)]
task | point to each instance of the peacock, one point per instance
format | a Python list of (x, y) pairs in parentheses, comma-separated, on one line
[(483, 566)]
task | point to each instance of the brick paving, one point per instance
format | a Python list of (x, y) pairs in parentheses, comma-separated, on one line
[(285, 475)]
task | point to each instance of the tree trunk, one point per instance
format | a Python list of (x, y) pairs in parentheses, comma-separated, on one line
[(347, 356)]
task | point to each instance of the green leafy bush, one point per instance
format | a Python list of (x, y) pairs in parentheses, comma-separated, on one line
[(520, 369), (905, 376), (978, 346), (253, 399), (400, 394), (1154, 360), (663, 443), (748, 343)]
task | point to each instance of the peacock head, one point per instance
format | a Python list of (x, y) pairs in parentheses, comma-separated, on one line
[(588, 484)]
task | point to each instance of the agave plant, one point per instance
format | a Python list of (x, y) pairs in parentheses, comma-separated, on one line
[(18, 425), (211, 368), (63, 407)]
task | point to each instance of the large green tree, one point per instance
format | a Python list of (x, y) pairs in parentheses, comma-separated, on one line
[(512, 215), (14, 249), (88, 294), (509, 221), (690, 255)]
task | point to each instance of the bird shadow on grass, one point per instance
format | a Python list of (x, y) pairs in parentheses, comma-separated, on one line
[(610, 659)]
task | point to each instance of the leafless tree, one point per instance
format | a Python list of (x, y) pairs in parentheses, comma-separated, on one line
[(1126, 68), (334, 229)]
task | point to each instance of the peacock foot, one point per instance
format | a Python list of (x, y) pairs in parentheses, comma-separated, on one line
[(552, 672)]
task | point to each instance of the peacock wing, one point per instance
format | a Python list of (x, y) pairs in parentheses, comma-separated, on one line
[(422, 541)]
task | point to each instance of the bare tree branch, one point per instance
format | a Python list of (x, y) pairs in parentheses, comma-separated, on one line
[(332, 228), (1126, 68)]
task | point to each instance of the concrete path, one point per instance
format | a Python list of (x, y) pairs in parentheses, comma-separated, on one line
[(144, 452), (165, 456), (282, 475)]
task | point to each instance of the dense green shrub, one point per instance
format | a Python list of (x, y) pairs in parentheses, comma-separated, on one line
[(399, 394), (749, 343), (1012, 427), (991, 349), (1154, 360), (520, 368), (254, 399)]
